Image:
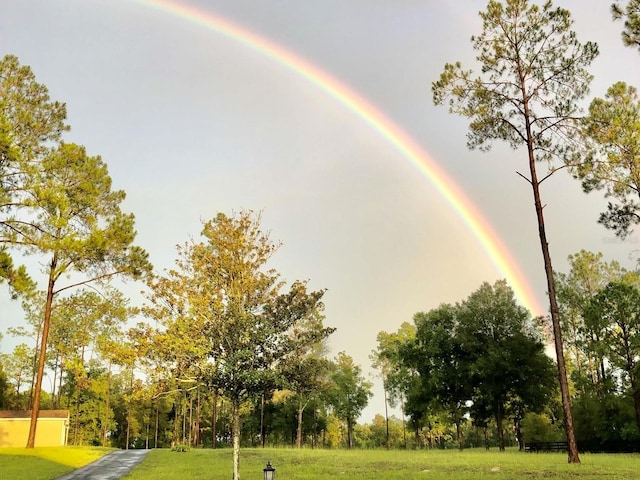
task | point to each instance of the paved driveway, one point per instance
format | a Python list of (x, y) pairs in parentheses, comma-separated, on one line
[(110, 467)]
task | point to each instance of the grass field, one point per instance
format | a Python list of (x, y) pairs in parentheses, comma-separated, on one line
[(45, 463), (49, 463), (387, 465)]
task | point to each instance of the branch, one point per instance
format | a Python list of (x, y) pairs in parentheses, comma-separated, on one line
[(526, 179), (554, 170), (99, 277)]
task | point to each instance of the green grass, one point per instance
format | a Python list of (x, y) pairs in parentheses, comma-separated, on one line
[(380, 464), (45, 463)]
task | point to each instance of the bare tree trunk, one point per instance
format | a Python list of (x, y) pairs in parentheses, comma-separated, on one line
[(46, 326), (184, 418), (235, 432), (404, 423), (459, 436), (198, 415), (572, 445), (155, 439), (499, 426), (55, 377), (314, 434), (59, 399), (34, 366), (105, 424), (214, 420), (128, 426), (386, 416), (518, 430), (191, 434), (299, 429), (262, 439)]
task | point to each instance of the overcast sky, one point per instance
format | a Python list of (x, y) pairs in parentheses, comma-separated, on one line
[(191, 123)]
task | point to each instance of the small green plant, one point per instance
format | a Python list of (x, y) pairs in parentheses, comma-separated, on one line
[(180, 448)]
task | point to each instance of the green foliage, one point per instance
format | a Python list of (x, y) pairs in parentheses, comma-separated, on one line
[(482, 357), (540, 427), (599, 302), (4, 388), (533, 77), (628, 10), (612, 162), (225, 320), (181, 448), (349, 393)]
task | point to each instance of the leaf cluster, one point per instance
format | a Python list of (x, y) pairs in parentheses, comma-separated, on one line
[(532, 75)]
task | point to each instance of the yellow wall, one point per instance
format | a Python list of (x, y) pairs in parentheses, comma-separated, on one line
[(51, 432)]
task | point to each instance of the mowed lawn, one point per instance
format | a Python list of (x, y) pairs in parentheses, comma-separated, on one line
[(291, 464), (45, 463), (305, 464)]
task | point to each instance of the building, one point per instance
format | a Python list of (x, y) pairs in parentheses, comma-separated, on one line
[(53, 426)]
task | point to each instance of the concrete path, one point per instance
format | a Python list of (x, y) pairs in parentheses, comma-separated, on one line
[(110, 467)]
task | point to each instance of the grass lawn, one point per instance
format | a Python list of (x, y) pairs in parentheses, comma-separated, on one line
[(45, 463), (388, 465)]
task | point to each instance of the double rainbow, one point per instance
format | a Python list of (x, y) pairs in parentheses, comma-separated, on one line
[(408, 148)]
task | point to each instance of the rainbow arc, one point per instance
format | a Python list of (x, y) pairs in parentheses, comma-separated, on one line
[(380, 123)]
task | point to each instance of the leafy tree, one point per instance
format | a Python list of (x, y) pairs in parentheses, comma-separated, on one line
[(307, 376), (533, 76), (396, 376), (630, 12), (350, 393), (612, 130), (4, 388), (32, 121), (588, 274), (439, 358), (615, 313), (509, 371), (18, 368), (73, 220), (235, 310), (30, 125)]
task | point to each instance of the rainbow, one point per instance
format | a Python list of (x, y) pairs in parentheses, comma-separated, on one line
[(408, 148)]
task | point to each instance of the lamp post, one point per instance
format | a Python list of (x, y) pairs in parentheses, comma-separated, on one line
[(269, 472)]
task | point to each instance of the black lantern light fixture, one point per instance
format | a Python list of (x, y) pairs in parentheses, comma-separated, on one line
[(269, 472)]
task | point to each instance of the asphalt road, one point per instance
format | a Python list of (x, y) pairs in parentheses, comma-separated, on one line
[(110, 467)]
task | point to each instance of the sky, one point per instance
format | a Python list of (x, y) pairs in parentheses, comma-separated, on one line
[(192, 122)]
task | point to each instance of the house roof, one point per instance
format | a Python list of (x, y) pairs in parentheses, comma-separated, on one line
[(27, 414)]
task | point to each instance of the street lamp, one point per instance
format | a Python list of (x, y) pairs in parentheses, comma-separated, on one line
[(269, 472)]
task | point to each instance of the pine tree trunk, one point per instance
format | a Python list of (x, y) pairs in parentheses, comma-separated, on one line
[(46, 326), (572, 446)]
